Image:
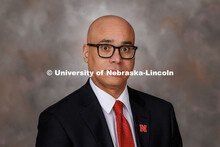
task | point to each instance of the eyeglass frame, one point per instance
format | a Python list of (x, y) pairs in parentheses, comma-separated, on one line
[(114, 47)]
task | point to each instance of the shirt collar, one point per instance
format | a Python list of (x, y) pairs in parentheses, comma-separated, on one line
[(107, 101)]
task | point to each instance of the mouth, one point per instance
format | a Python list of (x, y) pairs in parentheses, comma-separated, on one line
[(116, 73), (114, 70)]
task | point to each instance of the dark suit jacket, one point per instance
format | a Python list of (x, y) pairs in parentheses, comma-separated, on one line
[(78, 121)]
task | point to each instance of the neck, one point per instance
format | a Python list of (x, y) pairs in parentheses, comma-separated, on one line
[(113, 90)]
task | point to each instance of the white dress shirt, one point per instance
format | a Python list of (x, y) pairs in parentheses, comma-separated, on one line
[(107, 102)]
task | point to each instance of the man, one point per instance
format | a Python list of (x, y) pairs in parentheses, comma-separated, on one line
[(105, 112)]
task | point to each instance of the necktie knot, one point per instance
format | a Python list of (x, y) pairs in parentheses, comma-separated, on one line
[(118, 107)]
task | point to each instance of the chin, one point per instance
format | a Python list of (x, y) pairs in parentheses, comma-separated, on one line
[(115, 81)]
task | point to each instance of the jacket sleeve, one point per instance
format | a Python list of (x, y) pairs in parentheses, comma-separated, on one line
[(50, 132), (176, 137)]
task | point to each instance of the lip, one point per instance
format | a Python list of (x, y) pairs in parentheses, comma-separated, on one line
[(114, 70)]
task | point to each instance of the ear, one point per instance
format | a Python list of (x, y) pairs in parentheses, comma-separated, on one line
[(85, 52)]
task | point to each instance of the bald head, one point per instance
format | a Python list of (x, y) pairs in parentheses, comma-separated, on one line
[(112, 28), (114, 31)]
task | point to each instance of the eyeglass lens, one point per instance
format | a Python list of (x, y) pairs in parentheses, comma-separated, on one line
[(107, 51)]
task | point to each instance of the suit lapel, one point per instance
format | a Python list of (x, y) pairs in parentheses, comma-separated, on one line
[(93, 116), (141, 117)]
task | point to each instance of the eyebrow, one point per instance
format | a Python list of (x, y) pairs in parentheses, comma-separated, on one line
[(111, 41), (106, 40), (126, 42)]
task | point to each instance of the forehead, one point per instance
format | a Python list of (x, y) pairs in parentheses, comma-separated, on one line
[(116, 30), (113, 34)]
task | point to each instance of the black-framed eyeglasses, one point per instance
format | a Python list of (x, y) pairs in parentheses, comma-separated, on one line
[(107, 50)]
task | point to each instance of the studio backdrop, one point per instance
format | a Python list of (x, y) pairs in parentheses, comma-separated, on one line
[(38, 37)]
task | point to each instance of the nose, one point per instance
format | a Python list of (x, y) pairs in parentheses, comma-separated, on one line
[(116, 58)]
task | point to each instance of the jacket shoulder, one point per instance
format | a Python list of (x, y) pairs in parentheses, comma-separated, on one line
[(147, 98), (70, 103)]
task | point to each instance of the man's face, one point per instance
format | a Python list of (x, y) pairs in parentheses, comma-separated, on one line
[(117, 33)]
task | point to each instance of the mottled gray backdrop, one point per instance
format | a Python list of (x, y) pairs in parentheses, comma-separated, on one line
[(179, 35)]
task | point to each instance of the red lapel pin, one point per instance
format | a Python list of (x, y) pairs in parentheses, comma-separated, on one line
[(143, 128)]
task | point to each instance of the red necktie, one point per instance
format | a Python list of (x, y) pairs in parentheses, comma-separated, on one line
[(123, 129)]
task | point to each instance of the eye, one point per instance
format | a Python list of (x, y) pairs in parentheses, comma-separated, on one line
[(125, 49), (105, 47)]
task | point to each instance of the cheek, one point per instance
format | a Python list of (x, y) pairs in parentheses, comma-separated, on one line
[(129, 65), (94, 61)]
